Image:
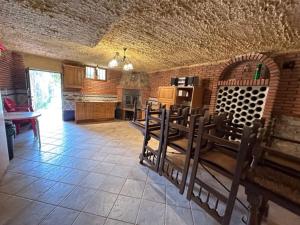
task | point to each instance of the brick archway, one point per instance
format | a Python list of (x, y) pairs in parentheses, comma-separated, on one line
[(272, 83)]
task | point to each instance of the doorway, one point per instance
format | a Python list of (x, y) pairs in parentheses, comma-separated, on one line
[(46, 94)]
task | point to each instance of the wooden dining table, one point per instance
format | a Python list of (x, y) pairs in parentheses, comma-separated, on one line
[(25, 116)]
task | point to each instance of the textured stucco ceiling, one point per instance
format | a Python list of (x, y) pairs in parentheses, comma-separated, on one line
[(159, 34)]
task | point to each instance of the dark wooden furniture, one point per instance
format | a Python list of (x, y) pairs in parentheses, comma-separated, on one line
[(179, 136), (153, 128), (273, 176), (225, 149)]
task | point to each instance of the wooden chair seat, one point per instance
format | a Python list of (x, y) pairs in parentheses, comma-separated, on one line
[(140, 124), (156, 133), (283, 164), (224, 163), (181, 143), (276, 181)]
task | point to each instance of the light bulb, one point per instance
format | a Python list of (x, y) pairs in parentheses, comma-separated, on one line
[(113, 63), (128, 67)]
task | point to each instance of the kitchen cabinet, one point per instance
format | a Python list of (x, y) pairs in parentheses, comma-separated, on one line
[(167, 95), (94, 111), (73, 76)]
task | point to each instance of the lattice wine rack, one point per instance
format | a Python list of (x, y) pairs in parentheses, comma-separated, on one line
[(245, 102)]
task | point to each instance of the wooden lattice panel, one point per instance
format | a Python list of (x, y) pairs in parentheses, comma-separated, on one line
[(245, 102)]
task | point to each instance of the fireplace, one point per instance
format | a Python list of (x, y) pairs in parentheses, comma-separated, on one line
[(134, 87), (130, 96)]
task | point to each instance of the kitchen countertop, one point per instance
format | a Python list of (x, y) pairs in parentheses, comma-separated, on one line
[(99, 101)]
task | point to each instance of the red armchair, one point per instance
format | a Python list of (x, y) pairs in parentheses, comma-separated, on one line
[(11, 106)]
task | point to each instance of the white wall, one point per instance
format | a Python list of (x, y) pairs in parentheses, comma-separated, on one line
[(4, 161)]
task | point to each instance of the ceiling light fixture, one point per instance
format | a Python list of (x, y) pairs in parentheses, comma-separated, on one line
[(121, 61), (2, 48)]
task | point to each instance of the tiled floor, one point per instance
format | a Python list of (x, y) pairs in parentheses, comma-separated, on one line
[(90, 174)]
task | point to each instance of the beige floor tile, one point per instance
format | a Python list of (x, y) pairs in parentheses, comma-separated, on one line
[(93, 180), (125, 209), (112, 184), (101, 203), (85, 154), (13, 183), (151, 213), (74, 177), (88, 219), (78, 198), (61, 216), (104, 168), (32, 215), (155, 192), (120, 171), (178, 216), (173, 197), (10, 206), (56, 193), (116, 222), (133, 188), (37, 188)]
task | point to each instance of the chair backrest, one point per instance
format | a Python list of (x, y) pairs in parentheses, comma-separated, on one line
[(9, 104), (217, 134), (222, 133)]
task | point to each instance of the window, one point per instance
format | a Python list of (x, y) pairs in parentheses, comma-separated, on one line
[(101, 74), (90, 72)]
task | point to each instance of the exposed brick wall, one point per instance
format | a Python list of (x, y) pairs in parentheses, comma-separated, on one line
[(286, 102), (6, 61), (103, 87), (288, 95), (207, 73), (18, 71), (12, 71)]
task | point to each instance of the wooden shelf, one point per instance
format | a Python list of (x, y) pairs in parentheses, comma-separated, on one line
[(169, 95)]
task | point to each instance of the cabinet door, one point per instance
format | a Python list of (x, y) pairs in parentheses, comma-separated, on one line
[(167, 95), (73, 76), (79, 76)]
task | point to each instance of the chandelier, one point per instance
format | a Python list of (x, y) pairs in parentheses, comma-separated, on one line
[(2, 48), (121, 61)]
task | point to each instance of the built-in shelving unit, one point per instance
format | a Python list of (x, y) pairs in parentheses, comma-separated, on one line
[(191, 96)]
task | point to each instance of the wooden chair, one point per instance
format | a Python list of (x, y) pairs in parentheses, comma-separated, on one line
[(140, 123), (179, 136), (273, 176), (227, 152), (153, 128)]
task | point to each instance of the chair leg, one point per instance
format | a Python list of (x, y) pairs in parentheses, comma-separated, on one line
[(263, 210), (185, 173), (18, 127), (33, 125), (255, 201)]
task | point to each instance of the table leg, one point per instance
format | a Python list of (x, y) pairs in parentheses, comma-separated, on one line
[(38, 131)]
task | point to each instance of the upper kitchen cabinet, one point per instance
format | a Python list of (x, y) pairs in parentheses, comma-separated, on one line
[(73, 76)]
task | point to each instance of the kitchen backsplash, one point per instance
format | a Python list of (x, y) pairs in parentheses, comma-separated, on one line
[(70, 98)]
